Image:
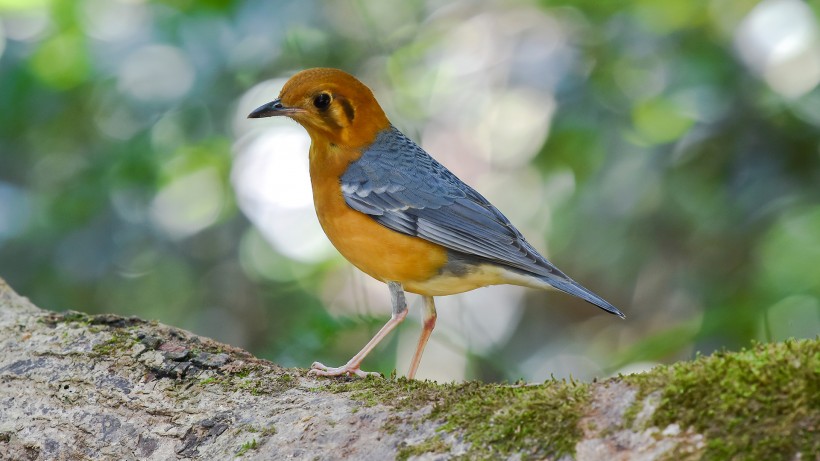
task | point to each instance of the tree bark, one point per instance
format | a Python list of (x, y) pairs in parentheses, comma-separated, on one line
[(74, 386)]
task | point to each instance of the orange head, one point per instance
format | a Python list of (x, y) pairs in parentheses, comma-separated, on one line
[(332, 106)]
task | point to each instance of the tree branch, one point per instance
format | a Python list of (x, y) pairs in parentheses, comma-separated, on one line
[(74, 386)]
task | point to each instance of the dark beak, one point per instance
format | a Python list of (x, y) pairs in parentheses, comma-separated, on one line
[(272, 109)]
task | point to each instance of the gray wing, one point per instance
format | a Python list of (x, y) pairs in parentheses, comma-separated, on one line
[(398, 184)]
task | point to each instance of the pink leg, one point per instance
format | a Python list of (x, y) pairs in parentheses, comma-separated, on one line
[(428, 323), (352, 366)]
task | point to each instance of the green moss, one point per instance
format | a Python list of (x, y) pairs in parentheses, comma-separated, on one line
[(243, 373), (251, 445), (432, 445), (53, 318), (262, 431), (632, 412), (497, 420), (119, 340), (254, 379), (501, 420), (762, 403)]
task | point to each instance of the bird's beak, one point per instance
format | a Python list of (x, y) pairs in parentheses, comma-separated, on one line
[(273, 109)]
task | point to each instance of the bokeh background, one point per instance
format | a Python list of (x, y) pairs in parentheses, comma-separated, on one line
[(665, 154)]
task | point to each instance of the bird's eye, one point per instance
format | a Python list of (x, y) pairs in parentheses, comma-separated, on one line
[(321, 101)]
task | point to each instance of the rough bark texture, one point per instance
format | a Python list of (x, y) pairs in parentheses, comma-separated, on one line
[(81, 387)]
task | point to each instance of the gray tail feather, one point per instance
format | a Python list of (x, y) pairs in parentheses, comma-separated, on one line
[(572, 287)]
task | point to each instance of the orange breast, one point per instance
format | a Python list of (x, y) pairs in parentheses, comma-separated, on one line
[(382, 253)]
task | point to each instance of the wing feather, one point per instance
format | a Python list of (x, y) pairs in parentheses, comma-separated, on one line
[(403, 188)]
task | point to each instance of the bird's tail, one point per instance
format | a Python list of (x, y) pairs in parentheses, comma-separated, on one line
[(574, 288)]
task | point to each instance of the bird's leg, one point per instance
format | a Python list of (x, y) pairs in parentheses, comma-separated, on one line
[(428, 323), (352, 366)]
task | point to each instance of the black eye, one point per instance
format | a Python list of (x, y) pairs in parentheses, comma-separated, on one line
[(321, 100)]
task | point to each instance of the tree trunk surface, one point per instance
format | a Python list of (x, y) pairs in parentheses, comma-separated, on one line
[(77, 387)]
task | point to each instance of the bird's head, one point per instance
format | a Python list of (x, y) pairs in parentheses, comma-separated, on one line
[(332, 106)]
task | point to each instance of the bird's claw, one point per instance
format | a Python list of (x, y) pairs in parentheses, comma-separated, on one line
[(319, 369)]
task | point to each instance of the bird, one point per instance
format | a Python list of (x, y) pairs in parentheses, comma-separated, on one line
[(399, 215)]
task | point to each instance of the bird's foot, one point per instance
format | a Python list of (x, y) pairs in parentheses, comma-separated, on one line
[(318, 369)]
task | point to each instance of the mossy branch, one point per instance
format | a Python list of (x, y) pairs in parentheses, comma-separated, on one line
[(74, 386)]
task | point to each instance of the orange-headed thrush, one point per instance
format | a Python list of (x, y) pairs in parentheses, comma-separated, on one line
[(399, 215)]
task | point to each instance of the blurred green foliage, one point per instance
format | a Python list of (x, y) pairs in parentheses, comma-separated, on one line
[(695, 204)]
